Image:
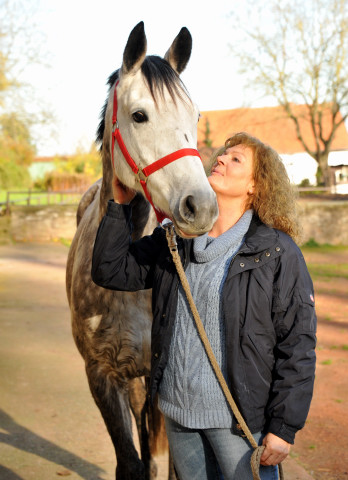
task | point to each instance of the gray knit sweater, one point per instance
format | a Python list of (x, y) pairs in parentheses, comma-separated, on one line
[(189, 392)]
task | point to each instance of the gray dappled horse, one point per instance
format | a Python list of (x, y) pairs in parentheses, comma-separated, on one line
[(112, 329)]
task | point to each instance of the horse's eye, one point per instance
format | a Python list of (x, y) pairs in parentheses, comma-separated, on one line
[(139, 116)]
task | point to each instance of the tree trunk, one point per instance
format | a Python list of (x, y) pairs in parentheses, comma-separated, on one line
[(324, 174)]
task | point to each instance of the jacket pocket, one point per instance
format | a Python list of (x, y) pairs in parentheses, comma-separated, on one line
[(264, 344), (258, 359)]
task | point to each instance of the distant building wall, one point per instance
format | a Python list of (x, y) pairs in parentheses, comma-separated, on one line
[(301, 165), (38, 170)]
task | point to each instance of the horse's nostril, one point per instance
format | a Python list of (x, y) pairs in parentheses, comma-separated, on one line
[(195, 212), (190, 204), (188, 210)]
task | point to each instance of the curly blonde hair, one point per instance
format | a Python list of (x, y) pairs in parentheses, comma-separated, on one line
[(274, 199)]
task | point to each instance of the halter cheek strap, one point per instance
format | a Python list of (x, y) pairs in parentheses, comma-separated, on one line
[(153, 167)]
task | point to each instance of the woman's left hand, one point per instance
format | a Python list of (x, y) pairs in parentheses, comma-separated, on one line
[(276, 450)]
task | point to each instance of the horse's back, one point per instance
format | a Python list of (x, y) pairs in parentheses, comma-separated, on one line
[(83, 241), (87, 199)]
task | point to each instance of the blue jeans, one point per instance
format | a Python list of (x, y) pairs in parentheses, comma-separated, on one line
[(212, 454)]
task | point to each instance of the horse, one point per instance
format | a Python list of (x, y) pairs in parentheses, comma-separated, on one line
[(148, 114)]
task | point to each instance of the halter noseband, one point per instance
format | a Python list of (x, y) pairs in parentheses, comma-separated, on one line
[(153, 167)]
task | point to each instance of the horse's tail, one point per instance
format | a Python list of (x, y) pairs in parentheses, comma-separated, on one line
[(86, 200), (157, 433)]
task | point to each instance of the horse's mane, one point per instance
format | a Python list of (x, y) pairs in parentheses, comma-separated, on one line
[(158, 74)]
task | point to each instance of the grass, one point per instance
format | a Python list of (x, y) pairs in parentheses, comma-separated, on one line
[(324, 270), (326, 362), (313, 246), (335, 270), (66, 242)]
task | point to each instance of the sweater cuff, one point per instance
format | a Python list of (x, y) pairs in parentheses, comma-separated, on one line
[(280, 429), (118, 211)]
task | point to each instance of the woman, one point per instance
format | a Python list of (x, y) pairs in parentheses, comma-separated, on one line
[(255, 298)]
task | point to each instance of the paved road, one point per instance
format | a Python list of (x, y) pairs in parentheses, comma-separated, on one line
[(49, 424)]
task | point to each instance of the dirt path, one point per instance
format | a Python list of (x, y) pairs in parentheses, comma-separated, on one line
[(49, 424), (322, 446)]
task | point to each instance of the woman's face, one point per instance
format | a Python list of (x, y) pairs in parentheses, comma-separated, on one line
[(232, 174)]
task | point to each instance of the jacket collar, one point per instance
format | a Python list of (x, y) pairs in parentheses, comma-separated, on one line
[(259, 236)]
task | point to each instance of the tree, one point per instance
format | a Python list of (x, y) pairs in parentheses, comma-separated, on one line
[(20, 44), (16, 152), (74, 172), (82, 162), (297, 52), (20, 49), (207, 140)]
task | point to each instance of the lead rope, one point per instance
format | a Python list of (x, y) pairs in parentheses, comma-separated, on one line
[(255, 458)]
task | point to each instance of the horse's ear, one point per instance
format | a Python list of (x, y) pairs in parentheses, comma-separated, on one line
[(135, 51), (179, 53)]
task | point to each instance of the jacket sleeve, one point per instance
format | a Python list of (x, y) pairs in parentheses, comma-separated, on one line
[(295, 322), (117, 263)]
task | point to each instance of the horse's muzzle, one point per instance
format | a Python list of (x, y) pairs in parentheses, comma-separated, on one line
[(195, 213)]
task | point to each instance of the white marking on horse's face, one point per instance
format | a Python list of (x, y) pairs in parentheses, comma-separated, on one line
[(180, 189)]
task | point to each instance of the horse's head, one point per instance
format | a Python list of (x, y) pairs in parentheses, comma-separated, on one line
[(156, 118)]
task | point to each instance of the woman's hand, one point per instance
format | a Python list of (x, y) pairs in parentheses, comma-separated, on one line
[(276, 450), (121, 193)]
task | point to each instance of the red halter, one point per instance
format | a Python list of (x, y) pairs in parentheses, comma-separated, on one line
[(153, 167)]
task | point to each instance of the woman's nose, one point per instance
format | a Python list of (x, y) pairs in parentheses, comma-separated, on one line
[(220, 160)]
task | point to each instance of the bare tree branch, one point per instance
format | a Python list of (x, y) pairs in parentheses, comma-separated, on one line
[(298, 53)]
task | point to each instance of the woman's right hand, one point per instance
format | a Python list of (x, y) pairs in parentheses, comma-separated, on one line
[(121, 193)]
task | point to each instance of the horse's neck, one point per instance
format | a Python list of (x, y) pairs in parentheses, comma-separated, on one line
[(141, 207)]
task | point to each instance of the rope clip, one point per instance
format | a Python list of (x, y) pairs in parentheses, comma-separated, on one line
[(168, 226)]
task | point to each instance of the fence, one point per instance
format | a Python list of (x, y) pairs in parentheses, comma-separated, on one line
[(72, 197), (35, 197), (339, 188)]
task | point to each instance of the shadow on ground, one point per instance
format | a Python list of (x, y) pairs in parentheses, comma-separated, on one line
[(23, 439)]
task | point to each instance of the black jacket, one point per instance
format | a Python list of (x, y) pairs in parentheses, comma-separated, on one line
[(268, 307)]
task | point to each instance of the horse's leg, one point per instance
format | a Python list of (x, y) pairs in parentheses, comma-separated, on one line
[(137, 400), (112, 401)]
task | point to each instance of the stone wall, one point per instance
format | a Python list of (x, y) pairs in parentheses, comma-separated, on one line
[(323, 221), (41, 223)]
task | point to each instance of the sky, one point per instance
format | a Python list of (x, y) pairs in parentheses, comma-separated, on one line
[(85, 41)]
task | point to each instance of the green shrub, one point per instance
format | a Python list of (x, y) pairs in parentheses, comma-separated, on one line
[(13, 176)]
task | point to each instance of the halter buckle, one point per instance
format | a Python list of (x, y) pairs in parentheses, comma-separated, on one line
[(115, 126), (141, 176)]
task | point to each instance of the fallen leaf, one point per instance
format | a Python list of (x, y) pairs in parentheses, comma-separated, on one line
[(64, 473)]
